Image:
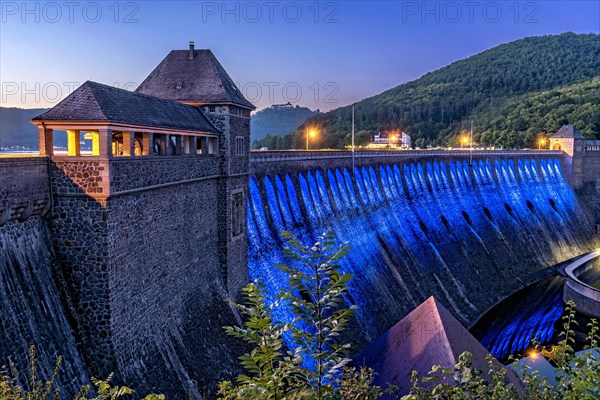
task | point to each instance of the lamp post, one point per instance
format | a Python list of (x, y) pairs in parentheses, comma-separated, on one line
[(392, 139), (311, 133), (542, 142)]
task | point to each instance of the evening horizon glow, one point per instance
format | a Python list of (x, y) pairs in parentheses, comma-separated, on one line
[(322, 55)]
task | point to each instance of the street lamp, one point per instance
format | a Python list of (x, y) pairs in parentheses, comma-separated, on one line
[(392, 140), (464, 142), (311, 133), (542, 143)]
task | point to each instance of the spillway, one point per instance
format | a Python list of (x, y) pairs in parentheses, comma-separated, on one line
[(468, 233)]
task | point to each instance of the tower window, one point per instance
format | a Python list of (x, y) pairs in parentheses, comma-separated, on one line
[(237, 213), (240, 143), (211, 108)]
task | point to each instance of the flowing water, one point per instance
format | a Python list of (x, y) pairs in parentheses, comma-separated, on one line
[(468, 234)]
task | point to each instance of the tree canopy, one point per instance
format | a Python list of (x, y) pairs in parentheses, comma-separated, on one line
[(512, 92)]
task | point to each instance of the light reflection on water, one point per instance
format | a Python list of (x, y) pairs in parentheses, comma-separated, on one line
[(532, 312)]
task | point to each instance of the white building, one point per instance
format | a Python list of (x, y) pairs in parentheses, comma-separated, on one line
[(391, 139)]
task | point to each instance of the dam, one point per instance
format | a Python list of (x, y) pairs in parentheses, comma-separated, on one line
[(123, 260), (468, 232)]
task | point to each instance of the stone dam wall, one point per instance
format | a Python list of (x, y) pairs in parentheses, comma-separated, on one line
[(125, 265), (469, 233), (130, 272), (31, 310)]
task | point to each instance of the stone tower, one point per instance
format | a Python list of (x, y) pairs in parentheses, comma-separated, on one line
[(572, 142), (195, 77), (149, 221)]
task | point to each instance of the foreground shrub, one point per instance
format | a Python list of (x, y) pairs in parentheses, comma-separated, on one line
[(316, 367), (10, 389), (315, 292)]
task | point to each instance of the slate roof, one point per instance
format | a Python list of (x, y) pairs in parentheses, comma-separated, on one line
[(96, 102), (428, 336), (568, 132), (201, 80)]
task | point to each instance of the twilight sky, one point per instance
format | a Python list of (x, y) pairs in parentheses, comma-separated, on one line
[(317, 54)]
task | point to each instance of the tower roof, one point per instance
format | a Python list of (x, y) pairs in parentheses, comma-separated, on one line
[(193, 76), (568, 132), (428, 336), (96, 102)]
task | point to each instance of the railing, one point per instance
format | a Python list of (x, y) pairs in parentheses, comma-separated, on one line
[(298, 155)]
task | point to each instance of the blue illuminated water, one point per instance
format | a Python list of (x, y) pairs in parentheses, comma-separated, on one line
[(460, 232), (530, 313)]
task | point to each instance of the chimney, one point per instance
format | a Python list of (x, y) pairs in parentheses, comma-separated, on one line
[(191, 56)]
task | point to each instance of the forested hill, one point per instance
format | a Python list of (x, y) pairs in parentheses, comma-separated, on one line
[(15, 129), (513, 92), (278, 120)]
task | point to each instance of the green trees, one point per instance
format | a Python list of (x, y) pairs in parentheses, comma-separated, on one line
[(315, 365), (578, 377), (36, 389), (513, 92)]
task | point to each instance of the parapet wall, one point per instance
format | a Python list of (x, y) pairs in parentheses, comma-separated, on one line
[(24, 188), (273, 162), (100, 178), (585, 179)]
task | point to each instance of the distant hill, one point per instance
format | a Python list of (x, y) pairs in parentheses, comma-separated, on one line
[(15, 129), (278, 120), (512, 92)]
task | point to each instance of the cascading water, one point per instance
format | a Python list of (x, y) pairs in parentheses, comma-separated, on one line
[(31, 312), (469, 234)]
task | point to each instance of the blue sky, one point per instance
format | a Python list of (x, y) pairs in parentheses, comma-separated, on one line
[(317, 54)]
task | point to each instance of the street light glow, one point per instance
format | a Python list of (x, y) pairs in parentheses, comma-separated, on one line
[(311, 133), (464, 141)]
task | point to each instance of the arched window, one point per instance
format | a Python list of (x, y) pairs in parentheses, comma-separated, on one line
[(556, 146)]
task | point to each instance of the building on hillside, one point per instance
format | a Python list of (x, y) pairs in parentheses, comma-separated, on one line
[(282, 106), (382, 140)]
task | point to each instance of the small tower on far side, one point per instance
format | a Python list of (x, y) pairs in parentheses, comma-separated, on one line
[(572, 142), (567, 139)]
